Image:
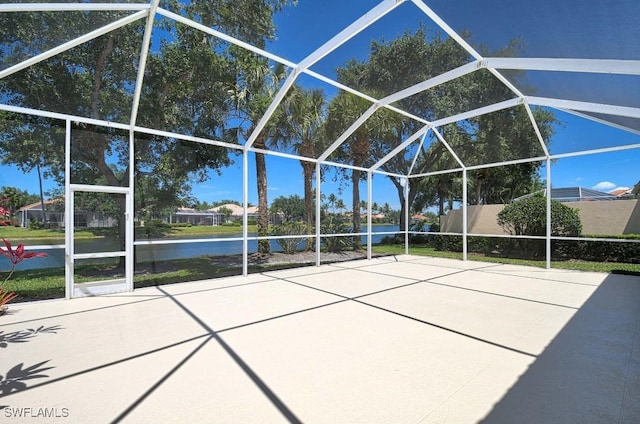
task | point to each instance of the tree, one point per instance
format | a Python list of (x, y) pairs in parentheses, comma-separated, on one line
[(345, 109), (363, 205), (32, 143), (225, 202), (332, 199), (305, 115), (252, 92), (160, 194), (201, 205), (500, 136), (185, 86), (340, 206), (292, 207), (12, 199), (415, 57), (348, 107), (226, 212)]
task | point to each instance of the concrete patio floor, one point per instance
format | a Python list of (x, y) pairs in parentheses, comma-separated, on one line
[(402, 339)]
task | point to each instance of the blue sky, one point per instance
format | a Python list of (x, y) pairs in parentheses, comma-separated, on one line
[(306, 27)]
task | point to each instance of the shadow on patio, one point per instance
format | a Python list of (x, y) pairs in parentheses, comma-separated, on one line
[(590, 372), (407, 339)]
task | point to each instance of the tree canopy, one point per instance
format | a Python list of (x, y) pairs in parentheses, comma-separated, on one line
[(292, 207), (489, 138), (199, 85), (186, 87)]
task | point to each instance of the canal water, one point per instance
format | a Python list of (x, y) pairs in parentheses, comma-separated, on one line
[(55, 257)]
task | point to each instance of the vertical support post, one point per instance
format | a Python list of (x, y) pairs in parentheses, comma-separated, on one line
[(465, 201), (245, 215), (68, 214), (369, 220), (548, 238), (318, 211), (406, 215), (129, 229)]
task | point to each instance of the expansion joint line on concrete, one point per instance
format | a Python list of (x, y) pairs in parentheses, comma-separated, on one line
[(264, 388), (502, 295), (107, 365), (451, 330), (357, 300)]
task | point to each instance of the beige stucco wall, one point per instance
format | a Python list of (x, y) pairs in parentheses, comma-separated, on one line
[(604, 217)]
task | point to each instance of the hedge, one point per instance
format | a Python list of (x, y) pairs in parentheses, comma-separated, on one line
[(597, 251)]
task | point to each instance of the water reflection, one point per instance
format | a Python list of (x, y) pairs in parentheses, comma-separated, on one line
[(159, 252)]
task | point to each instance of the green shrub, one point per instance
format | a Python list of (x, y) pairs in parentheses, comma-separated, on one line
[(420, 226), (233, 223), (449, 243), (153, 228), (156, 223), (335, 224), (528, 217), (598, 251), (290, 245), (180, 224)]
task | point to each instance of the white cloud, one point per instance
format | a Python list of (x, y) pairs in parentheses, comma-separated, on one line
[(578, 179), (273, 188), (604, 186)]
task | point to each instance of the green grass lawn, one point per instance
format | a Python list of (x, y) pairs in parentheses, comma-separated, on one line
[(425, 250), (36, 283), (49, 283), (209, 230), (18, 235)]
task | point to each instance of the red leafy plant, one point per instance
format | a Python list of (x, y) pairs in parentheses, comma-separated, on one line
[(16, 256)]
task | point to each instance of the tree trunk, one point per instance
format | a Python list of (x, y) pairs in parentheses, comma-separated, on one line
[(400, 190), (402, 220), (44, 212), (263, 208), (481, 176), (122, 227), (360, 152), (413, 192), (307, 169), (355, 180), (441, 196)]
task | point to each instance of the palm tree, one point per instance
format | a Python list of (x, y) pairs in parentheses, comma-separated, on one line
[(340, 206), (305, 114), (343, 111), (332, 201), (363, 205), (255, 86)]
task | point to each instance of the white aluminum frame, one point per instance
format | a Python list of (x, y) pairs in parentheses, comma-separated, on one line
[(151, 9), (97, 287)]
